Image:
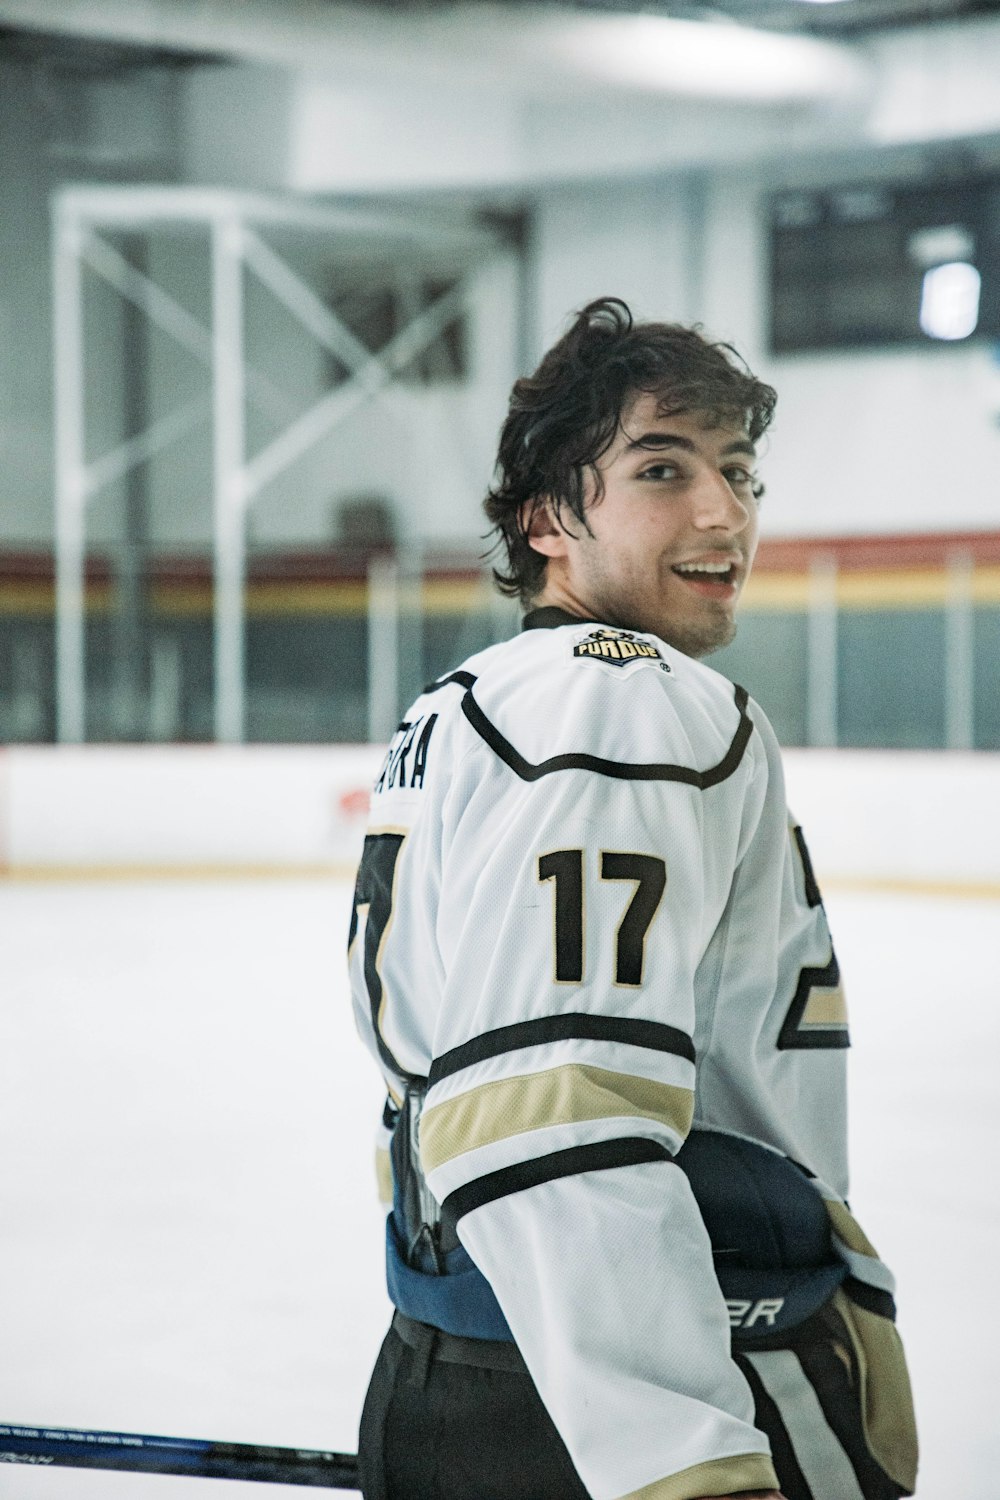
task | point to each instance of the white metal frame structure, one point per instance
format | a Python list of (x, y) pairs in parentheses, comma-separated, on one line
[(233, 224)]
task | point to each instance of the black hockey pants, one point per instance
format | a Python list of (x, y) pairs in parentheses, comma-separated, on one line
[(460, 1419), (434, 1428)]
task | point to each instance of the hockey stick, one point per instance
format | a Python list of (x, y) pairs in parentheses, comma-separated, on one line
[(196, 1457)]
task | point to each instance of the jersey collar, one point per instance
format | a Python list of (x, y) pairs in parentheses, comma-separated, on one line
[(550, 616)]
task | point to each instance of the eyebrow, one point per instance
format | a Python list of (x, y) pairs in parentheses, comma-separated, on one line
[(659, 440)]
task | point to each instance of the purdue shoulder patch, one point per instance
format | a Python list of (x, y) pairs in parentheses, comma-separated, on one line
[(618, 648)]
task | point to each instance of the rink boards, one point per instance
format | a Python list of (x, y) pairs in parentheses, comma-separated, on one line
[(919, 820)]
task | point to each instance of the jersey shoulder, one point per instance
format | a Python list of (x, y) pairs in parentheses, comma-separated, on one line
[(624, 698)]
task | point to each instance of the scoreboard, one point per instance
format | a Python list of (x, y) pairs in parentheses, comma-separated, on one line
[(881, 264)]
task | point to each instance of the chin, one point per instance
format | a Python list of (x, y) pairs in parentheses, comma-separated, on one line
[(696, 642)]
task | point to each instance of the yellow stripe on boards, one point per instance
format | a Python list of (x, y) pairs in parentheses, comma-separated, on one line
[(558, 1096), (28, 599), (783, 592), (891, 885), (870, 588), (39, 874), (962, 890), (916, 588), (985, 585), (719, 1476), (347, 598), (927, 587)]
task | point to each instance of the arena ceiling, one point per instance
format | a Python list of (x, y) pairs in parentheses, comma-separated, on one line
[(837, 17), (61, 34), (581, 88)]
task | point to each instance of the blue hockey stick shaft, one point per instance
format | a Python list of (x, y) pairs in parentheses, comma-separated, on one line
[(75, 1448)]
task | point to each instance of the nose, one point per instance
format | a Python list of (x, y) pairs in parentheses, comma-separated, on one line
[(716, 506)]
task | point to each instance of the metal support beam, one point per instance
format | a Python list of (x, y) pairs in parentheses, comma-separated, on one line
[(302, 302), (371, 378), (959, 664), (139, 289), (132, 206), (80, 217), (172, 318), (145, 445), (383, 649), (70, 481), (822, 661), (229, 493), (130, 623), (298, 298)]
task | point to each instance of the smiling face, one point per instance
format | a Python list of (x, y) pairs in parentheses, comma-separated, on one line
[(672, 537)]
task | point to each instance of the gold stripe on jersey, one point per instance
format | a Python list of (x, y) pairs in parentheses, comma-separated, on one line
[(825, 1007), (886, 1398), (383, 1175), (719, 1476), (846, 1226), (566, 1095)]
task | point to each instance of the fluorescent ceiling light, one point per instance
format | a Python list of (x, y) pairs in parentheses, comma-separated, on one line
[(703, 59), (949, 302)]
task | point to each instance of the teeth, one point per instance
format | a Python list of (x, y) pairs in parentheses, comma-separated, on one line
[(713, 568)]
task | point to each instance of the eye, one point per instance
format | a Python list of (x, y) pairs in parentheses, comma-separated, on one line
[(661, 470), (740, 478)]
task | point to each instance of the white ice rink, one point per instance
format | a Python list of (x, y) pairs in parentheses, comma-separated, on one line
[(191, 1243)]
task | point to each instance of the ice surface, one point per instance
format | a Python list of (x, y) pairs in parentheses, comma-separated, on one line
[(922, 986), (191, 1243)]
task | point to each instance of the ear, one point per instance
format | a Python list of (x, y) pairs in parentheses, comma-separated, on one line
[(542, 528)]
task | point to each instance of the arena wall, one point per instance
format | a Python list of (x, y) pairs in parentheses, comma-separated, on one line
[(190, 810), (912, 820)]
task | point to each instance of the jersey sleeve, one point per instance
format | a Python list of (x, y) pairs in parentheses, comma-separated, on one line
[(579, 893)]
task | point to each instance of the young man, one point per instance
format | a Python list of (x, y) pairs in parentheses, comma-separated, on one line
[(591, 959)]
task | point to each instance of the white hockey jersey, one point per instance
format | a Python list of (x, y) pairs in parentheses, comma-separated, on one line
[(584, 915)]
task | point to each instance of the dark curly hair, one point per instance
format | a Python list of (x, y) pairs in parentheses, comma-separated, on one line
[(566, 415)]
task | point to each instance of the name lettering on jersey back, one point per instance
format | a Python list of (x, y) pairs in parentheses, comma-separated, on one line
[(406, 762), (617, 648)]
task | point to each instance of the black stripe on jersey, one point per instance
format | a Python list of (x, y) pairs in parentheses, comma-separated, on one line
[(597, 1157), (572, 1026), (813, 895), (768, 1419), (620, 771), (872, 1298), (374, 888), (464, 679), (837, 1392)]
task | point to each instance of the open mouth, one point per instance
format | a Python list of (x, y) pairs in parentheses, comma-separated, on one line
[(711, 576)]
